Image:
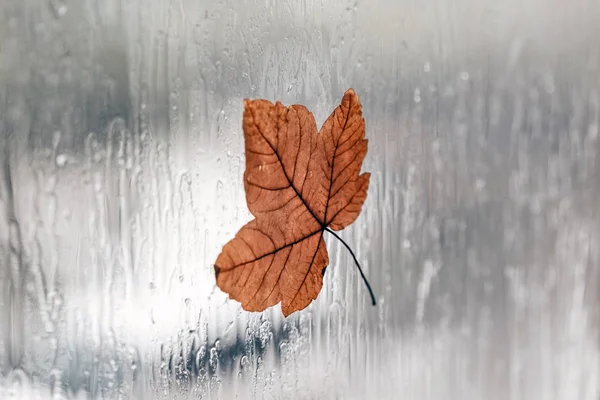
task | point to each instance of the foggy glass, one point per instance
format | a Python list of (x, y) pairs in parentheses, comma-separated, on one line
[(121, 162)]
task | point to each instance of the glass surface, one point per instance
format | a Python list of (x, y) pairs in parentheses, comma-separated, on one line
[(121, 162)]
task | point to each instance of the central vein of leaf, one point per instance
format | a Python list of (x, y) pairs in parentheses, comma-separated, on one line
[(290, 180), (270, 253), (333, 162)]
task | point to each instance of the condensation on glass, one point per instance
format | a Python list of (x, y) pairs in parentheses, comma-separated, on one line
[(121, 162)]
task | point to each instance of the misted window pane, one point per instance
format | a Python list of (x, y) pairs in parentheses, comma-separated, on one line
[(122, 158)]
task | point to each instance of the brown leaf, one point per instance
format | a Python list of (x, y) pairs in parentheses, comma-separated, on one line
[(299, 183)]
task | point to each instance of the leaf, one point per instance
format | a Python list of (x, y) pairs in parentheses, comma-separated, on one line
[(299, 183)]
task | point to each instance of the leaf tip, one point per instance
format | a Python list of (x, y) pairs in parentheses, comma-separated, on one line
[(286, 312), (351, 100)]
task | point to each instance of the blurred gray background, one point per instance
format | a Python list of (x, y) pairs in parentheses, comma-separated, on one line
[(121, 162)]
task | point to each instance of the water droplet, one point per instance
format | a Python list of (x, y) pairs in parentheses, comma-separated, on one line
[(479, 184), (417, 95), (56, 139), (213, 361), (61, 160), (283, 347), (62, 10), (427, 67), (464, 76)]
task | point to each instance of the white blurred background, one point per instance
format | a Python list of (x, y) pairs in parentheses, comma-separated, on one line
[(121, 162)]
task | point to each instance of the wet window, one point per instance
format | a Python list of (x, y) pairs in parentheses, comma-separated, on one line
[(121, 178)]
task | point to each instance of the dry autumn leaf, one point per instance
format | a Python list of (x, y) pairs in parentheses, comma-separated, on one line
[(299, 184)]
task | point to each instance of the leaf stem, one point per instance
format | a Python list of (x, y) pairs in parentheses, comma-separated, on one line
[(357, 264)]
